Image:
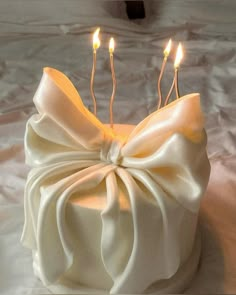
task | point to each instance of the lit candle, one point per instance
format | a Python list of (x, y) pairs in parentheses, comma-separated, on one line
[(96, 45), (111, 50), (166, 53), (178, 58)]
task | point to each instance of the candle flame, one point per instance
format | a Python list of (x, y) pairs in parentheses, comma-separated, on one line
[(96, 41), (111, 45), (168, 48), (179, 56)]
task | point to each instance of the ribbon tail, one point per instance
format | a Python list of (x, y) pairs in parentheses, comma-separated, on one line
[(55, 246), (117, 230), (134, 278)]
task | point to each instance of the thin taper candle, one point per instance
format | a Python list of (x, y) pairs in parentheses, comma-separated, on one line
[(175, 84), (170, 91), (111, 50), (179, 56), (96, 45), (92, 83), (166, 54)]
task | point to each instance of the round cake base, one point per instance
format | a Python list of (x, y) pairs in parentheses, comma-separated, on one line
[(176, 284)]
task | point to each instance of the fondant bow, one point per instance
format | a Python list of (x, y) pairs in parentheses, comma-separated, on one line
[(162, 164)]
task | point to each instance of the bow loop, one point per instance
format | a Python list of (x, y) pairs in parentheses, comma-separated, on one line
[(57, 98)]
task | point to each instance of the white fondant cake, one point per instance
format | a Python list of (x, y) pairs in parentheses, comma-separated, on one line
[(113, 210)]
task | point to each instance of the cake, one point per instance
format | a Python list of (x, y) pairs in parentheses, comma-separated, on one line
[(113, 210)]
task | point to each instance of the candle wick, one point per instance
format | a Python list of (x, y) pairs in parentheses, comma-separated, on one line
[(159, 82), (92, 82), (113, 88)]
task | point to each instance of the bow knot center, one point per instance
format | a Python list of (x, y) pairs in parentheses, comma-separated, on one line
[(111, 150)]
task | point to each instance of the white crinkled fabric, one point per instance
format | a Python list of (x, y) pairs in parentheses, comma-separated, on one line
[(144, 238)]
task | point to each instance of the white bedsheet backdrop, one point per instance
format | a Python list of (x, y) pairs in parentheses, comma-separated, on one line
[(57, 33)]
